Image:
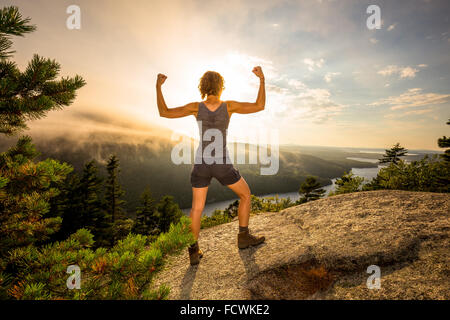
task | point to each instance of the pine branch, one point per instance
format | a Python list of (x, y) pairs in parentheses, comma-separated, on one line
[(5, 44), (29, 95), (11, 22)]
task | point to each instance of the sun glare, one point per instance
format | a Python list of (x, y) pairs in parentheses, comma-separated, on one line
[(240, 84)]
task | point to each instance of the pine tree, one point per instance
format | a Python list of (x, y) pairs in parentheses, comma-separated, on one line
[(93, 216), (348, 183), (232, 209), (444, 142), (168, 212), (120, 225), (124, 271), (310, 189), (146, 222), (26, 189), (393, 155), (30, 94), (80, 205), (90, 187), (68, 206)]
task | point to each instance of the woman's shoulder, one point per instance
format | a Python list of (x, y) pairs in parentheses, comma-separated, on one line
[(192, 107), (231, 105)]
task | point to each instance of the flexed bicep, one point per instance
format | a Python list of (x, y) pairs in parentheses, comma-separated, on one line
[(251, 107), (178, 112), (243, 107), (183, 111)]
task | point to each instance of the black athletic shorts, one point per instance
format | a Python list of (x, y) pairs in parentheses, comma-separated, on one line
[(225, 173)]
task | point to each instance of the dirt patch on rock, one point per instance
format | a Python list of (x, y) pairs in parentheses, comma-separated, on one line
[(290, 282)]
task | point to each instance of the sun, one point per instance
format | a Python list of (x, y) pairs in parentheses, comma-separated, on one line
[(236, 69)]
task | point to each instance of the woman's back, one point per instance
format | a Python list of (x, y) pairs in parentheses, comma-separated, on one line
[(213, 127)]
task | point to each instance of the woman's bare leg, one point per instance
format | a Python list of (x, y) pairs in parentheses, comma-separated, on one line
[(243, 192), (198, 203)]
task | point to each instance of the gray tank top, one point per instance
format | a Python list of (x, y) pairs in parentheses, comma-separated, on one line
[(213, 127)]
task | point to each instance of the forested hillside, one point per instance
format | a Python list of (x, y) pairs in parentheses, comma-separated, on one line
[(145, 162)]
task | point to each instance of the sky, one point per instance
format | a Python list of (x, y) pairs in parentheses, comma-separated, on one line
[(330, 80)]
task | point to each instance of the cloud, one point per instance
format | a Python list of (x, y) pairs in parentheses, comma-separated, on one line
[(421, 111), (408, 113), (408, 72), (388, 70), (295, 101), (413, 98), (403, 72), (289, 100), (315, 104), (312, 64), (392, 27), (330, 75), (296, 84)]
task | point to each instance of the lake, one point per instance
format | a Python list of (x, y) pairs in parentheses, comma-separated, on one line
[(367, 173)]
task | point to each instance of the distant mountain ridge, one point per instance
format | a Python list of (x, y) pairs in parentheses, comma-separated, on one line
[(144, 154), (145, 161)]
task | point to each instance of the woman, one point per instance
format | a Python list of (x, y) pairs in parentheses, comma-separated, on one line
[(213, 116)]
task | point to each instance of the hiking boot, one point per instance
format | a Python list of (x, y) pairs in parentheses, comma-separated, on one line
[(245, 239), (195, 253)]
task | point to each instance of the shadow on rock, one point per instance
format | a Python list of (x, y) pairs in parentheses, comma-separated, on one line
[(248, 259), (188, 281)]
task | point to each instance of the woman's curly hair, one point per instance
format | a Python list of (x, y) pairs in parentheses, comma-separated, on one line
[(211, 83)]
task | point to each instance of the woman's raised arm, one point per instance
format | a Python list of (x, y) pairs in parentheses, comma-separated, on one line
[(251, 107), (178, 112)]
